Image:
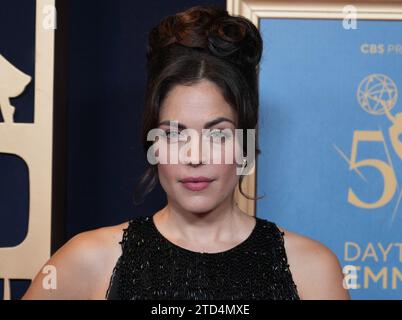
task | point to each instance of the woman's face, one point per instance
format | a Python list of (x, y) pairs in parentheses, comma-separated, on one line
[(196, 107)]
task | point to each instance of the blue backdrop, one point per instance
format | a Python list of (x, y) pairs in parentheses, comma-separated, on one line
[(320, 85)]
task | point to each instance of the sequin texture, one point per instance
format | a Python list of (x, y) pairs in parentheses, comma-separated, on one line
[(152, 268)]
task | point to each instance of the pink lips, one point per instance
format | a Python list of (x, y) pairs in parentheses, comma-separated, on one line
[(196, 183)]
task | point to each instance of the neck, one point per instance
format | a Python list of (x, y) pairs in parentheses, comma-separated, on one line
[(222, 223)]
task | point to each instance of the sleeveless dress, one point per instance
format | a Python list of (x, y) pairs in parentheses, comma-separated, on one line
[(151, 267)]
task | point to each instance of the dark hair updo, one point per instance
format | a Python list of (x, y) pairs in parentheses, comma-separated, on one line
[(202, 43)]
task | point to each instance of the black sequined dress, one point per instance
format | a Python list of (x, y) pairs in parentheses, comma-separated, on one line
[(152, 267)]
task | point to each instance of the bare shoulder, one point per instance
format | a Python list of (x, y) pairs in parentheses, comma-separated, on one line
[(315, 268), (82, 266)]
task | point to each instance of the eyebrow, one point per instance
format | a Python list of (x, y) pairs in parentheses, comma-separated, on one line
[(207, 125)]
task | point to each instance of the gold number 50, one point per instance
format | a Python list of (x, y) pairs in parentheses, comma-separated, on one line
[(386, 171)]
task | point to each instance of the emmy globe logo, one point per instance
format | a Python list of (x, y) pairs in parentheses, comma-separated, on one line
[(377, 94)]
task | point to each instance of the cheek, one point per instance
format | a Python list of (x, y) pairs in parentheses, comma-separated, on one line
[(168, 173), (227, 175)]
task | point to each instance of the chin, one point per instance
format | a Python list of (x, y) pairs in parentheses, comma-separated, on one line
[(201, 206)]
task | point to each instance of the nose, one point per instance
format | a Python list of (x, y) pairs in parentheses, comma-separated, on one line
[(196, 153)]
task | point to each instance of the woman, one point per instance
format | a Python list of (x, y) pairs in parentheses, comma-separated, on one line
[(202, 73)]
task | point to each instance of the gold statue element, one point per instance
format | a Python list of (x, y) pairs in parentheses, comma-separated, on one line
[(12, 83)]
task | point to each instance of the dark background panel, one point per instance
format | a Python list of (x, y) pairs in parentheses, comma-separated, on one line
[(14, 200), (100, 75), (106, 96)]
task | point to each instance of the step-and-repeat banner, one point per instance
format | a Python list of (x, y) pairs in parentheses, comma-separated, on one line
[(331, 119)]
